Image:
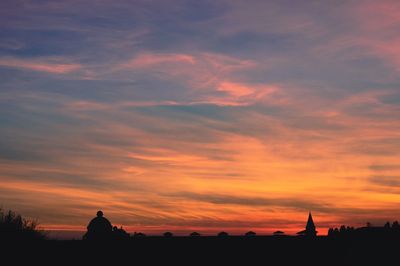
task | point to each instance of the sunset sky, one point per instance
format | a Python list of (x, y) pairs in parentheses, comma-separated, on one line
[(200, 115)]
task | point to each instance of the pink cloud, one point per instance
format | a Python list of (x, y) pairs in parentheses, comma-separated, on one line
[(194, 65), (234, 93), (367, 97), (377, 15), (151, 59), (82, 105), (203, 74), (261, 16), (236, 90), (224, 62), (39, 65), (239, 90), (374, 32), (388, 51)]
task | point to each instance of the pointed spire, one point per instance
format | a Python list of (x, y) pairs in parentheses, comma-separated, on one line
[(310, 221), (310, 227)]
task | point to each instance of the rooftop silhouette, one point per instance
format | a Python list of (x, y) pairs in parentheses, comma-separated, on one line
[(353, 245), (358, 243)]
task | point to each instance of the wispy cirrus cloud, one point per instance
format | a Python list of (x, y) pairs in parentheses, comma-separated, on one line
[(258, 111), (389, 181), (46, 66), (151, 59), (195, 68), (384, 167)]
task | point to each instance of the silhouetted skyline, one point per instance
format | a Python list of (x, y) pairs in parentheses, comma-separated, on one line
[(199, 115)]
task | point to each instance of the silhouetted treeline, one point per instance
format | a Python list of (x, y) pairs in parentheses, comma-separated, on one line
[(388, 230), (376, 245), (14, 227)]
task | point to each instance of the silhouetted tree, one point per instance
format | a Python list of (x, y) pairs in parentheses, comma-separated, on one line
[(395, 225), (138, 234), (14, 227), (342, 229), (279, 233), (194, 234), (387, 225), (168, 234), (250, 233), (223, 234)]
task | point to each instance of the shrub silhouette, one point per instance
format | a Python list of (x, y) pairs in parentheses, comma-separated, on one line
[(250, 233), (120, 233), (395, 225), (195, 234), (278, 233), (168, 234), (223, 234), (138, 234), (14, 227)]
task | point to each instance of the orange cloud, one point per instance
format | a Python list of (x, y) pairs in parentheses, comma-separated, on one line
[(248, 170), (130, 167), (251, 138)]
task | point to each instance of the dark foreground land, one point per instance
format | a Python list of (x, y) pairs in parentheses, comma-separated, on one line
[(257, 250)]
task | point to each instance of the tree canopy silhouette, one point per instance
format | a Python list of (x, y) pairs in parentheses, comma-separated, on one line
[(168, 234), (195, 234), (223, 234), (250, 233), (14, 227)]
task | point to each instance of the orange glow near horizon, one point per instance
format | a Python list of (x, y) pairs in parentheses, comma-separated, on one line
[(229, 116), (259, 186)]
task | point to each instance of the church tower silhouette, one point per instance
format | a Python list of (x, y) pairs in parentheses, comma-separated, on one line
[(310, 228)]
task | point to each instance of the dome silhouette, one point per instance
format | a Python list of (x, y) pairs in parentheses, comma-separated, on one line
[(99, 228)]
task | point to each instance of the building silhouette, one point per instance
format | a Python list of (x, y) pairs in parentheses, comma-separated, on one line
[(99, 228), (310, 228)]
